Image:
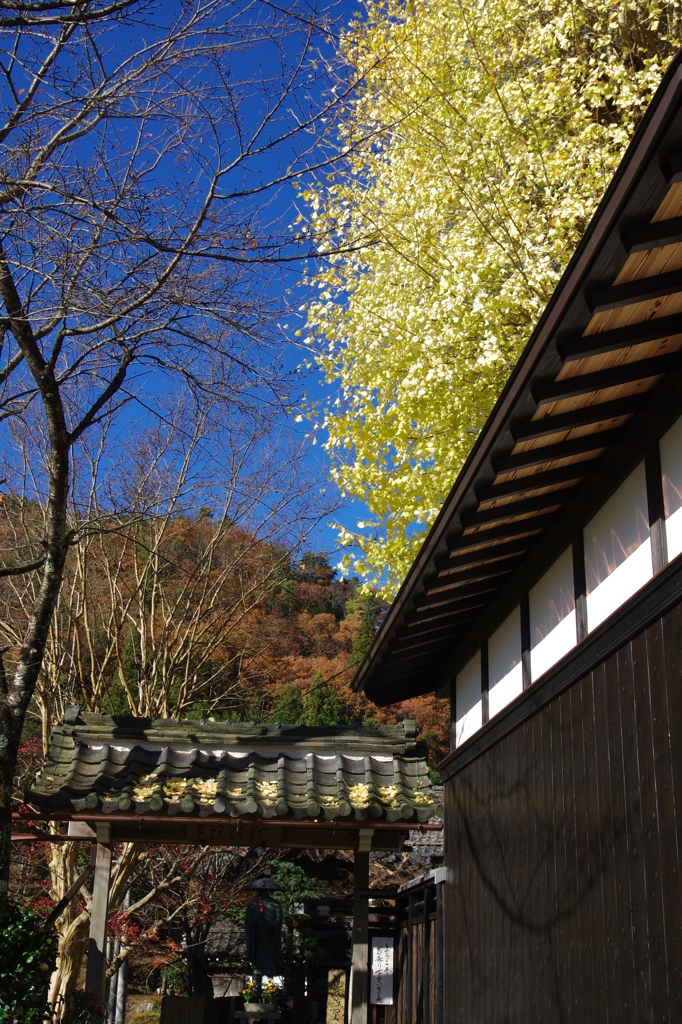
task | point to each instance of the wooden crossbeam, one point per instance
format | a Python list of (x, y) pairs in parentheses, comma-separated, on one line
[(585, 383), (462, 545), (588, 443), (444, 612), (448, 626), (587, 416), (653, 236), (405, 640), (493, 564), (672, 168), (464, 567), (541, 503), (573, 349), (457, 593), (407, 674), (630, 292), (519, 485), (456, 587), (409, 656)]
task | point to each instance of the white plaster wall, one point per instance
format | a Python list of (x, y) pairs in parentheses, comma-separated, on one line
[(552, 616), (671, 466), (505, 673), (468, 703), (617, 549)]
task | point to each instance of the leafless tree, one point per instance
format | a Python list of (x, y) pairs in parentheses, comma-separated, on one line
[(138, 142), (160, 605)]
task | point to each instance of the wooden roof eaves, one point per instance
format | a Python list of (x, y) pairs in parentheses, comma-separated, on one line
[(601, 231), (585, 416), (589, 383), (587, 444), (654, 419), (583, 346), (642, 238)]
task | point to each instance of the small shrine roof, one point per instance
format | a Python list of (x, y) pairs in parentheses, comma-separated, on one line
[(110, 765)]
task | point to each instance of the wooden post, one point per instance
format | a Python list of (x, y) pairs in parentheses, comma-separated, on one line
[(579, 586), (426, 970), (95, 977), (453, 713), (440, 953), (654, 491), (525, 641), (359, 995), (485, 684)]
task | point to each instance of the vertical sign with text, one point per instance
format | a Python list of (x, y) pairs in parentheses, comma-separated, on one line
[(381, 985)]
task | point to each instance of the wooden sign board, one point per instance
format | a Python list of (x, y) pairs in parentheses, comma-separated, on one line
[(381, 985), (182, 1010)]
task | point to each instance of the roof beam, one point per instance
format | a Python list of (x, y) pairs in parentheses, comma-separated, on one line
[(426, 629), (484, 540), (585, 417), (472, 570), (588, 443), (395, 667), (672, 168), (417, 655), (583, 347), (520, 484), (631, 292), (653, 236), (449, 612), (585, 383), (540, 503), (456, 594), (454, 587), (418, 643)]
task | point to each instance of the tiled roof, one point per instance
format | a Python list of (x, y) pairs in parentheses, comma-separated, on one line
[(114, 764)]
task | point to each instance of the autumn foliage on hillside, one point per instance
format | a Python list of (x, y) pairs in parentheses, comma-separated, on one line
[(179, 616)]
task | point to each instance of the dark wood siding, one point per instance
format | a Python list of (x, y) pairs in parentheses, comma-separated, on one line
[(564, 894), (418, 979)]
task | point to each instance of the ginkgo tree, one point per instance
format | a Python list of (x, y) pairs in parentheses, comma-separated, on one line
[(491, 131)]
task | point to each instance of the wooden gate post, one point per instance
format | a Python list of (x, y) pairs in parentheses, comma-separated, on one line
[(359, 994), (95, 977)]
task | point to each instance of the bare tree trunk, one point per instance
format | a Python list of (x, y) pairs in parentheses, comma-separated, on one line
[(19, 691), (73, 927)]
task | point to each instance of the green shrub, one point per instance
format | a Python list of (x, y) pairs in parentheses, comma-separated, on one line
[(81, 1009), (27, 958)]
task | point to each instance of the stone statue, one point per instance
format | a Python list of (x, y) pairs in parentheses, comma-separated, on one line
[(264, 932)]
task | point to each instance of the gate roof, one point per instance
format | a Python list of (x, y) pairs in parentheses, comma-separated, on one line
[(114, 765)]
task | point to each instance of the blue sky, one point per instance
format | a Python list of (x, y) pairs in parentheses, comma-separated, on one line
[(348, 513)]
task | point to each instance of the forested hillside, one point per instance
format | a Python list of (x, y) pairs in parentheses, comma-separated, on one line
[(187, 617)]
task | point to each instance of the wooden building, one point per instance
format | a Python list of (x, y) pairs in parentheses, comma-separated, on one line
[(546, 603)]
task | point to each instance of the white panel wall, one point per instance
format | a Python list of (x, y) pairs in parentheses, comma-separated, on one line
[(552, 616), (671, 465), (505, 672), (617, 549), (468, 703)]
